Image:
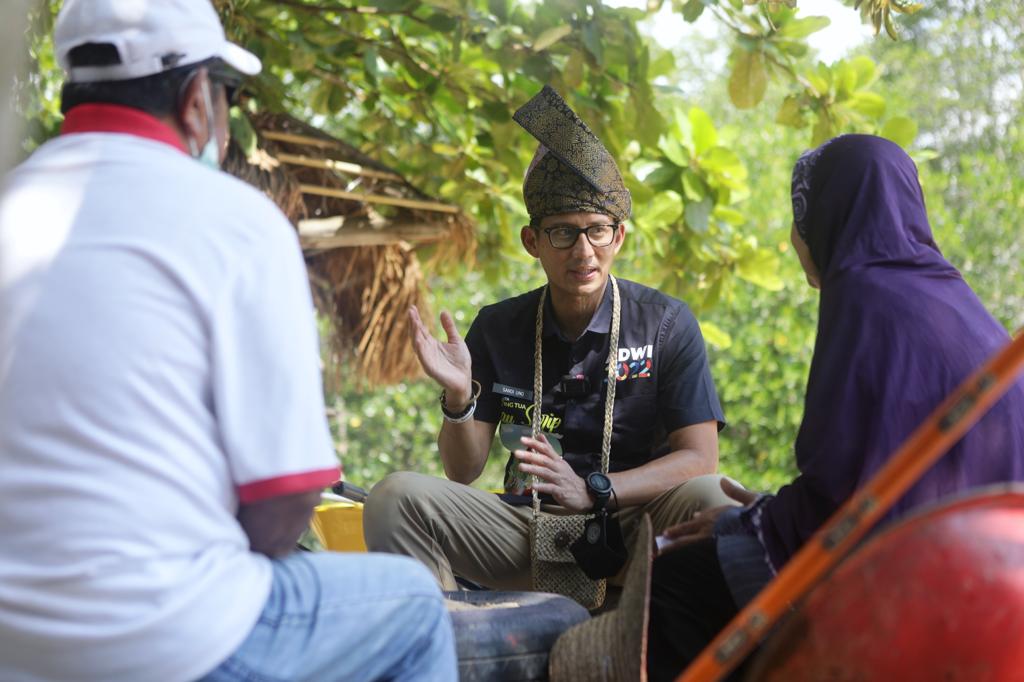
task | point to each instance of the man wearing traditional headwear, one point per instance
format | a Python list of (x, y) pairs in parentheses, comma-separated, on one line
[(664, 414)]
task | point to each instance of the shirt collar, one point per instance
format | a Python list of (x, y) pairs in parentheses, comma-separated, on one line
[(113, 118), (600, 323)]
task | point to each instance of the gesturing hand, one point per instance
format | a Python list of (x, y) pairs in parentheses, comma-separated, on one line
[(449, 364), (702, 525), (556, 476)]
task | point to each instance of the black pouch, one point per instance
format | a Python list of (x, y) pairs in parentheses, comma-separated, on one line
[(600, 551)]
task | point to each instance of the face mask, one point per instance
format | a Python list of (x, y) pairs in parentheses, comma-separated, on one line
[(210, 154)]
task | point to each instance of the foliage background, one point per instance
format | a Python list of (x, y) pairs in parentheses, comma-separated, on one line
[(706, 132), (964, 102)]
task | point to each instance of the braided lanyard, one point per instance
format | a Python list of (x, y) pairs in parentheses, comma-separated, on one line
[(609, 399)]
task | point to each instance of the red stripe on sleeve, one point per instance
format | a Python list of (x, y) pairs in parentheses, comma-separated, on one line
[(287, 485)]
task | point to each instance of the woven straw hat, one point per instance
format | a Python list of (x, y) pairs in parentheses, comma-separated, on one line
[(612, 646)]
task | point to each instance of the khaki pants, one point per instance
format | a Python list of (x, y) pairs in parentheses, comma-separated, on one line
[(455, 529)]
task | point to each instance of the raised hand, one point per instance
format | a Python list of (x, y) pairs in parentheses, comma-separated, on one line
[(447, 363)]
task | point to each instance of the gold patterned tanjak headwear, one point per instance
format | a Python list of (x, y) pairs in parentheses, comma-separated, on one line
[(571, 171)]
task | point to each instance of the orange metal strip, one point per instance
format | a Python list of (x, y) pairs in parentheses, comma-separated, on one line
[(947, 424)]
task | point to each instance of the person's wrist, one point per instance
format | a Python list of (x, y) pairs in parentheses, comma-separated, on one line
[(459, 399), (459, 413), (584, 495)]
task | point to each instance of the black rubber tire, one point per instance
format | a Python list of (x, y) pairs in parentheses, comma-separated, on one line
[(510, 644)]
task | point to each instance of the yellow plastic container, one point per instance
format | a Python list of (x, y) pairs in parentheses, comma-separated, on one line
[(339, 526)]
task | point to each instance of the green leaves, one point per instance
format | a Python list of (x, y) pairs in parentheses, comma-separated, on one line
[(900, 130), (674, 151), (328, 98), (791, 113), (592, 40), (664, 210), (392, 5), (869, 104), (429, 87), (693, 185), (572, 74), (302, 59), (698, 214), (715, 335), (796, 29), (749, 78), (725, 168), (702, 130), (760, 267), (241, 131), (864, 69), (692, 9), (550, 37), (835, 99), (370, 66)]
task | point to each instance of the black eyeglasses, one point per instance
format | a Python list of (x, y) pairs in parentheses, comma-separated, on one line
[(218, 76), (565, 236), (231, 85)]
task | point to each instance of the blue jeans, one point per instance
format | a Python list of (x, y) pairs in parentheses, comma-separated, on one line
[(347, 617)]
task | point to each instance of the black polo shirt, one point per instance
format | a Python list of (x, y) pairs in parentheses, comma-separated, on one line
[(664, 379)]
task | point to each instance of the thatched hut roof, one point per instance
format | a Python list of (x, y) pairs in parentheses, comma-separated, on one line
[(360, 224)]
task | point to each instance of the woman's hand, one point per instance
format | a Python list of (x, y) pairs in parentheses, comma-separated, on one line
[(556, 477), (449, 364), (702, 525)]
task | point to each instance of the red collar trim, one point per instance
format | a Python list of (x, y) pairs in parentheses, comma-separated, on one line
[(112, 118)]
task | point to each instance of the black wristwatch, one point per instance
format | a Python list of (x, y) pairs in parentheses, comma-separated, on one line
[(600, 486)]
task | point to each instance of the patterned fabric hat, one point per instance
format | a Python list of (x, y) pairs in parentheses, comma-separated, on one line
[(571, 171), (803, 171)]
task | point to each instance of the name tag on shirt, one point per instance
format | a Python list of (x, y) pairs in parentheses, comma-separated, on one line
[(512, 391)]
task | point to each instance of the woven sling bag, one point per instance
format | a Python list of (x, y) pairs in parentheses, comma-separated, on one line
[(554, 568)]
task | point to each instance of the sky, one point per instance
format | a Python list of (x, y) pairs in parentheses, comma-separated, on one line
[(832, 43)]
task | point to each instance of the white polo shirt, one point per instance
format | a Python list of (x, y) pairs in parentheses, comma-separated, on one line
[(158, 365)]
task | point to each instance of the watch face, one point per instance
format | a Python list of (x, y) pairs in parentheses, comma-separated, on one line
[(599, 483)]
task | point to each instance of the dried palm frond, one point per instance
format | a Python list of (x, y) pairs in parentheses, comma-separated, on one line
[(364, 291), (262, 172), (368, 292)]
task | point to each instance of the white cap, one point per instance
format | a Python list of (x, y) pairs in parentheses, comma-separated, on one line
[(151, 36)]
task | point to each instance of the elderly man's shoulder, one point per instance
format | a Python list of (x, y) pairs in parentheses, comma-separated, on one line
[(231, 193), (237, 209)]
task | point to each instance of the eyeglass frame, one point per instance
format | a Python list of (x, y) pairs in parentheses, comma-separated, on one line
[(231, 82), (218, 74), (578, 230)]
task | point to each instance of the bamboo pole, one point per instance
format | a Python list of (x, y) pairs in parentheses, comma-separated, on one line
[(328, 233), (947, 424), (337, 165), (378, 199), (362, 238), (299, 139)]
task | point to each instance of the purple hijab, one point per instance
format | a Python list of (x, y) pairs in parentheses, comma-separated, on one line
[(898, 330)]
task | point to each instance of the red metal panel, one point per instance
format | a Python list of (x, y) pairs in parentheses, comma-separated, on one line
[(939, 596)]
